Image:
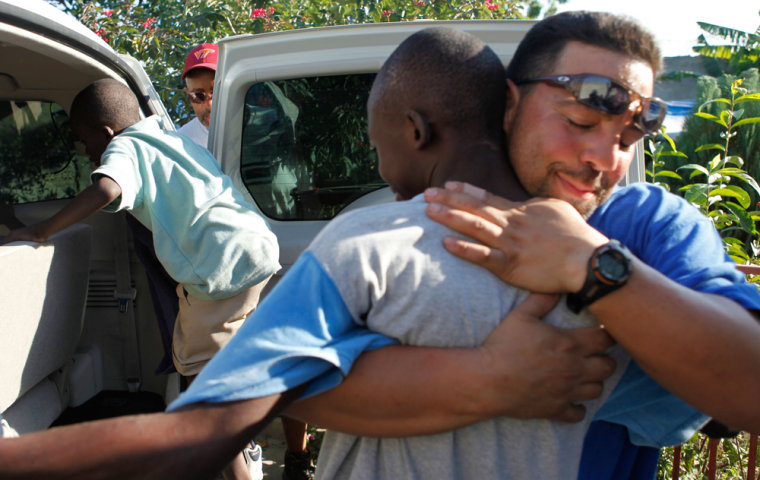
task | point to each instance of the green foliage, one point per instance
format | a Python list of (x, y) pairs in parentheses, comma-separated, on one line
[(721, 141), (159, 33), (657, 153), (732, 457), (740, 53), (718, 185), (712, 94)]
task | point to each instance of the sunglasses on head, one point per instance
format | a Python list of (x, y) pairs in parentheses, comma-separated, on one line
[(609, 96), (199, 97)]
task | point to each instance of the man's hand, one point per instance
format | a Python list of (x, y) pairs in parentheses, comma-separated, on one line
[(542, 245), (543, 371)]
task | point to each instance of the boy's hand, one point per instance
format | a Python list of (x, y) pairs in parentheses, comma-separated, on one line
[(27, 234)]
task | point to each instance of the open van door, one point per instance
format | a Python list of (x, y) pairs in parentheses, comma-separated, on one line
[(72, 320)]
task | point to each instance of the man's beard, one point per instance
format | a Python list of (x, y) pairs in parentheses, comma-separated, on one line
[(600, 184)]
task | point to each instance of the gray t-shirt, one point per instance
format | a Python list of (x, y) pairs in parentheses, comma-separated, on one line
[(389, 264)]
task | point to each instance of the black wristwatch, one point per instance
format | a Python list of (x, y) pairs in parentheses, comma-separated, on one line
[(608, 269)]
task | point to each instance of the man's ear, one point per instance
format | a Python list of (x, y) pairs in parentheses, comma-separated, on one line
[(419, 129), (108, 132), (513, 100)]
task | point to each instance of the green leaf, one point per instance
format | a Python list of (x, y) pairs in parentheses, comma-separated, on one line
[(734, 160), (737, 254), (669, 174), (745, 220), (748, 98), (748, 179), (735, 192), (732, 241), (717, 100), (716, 162), (673, 154), (724, 116), (696, 194), (710, 146), (711, 117), (747, 121), (668, 139), (693, 166)]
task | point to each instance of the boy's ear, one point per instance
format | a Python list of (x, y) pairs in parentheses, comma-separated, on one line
[(419, 129), (108, 131), (513, 99)]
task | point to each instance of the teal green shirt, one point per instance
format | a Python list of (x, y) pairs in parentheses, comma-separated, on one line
[(206, 235)]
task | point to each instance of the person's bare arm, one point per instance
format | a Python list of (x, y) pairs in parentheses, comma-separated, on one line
[(525, 369), (102, 192), (699, 346), (193, 443)]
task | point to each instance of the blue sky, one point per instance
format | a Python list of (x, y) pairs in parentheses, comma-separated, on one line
[(674, 21)]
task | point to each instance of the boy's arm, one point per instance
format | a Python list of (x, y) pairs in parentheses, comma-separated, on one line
[(194, 443), (525, 369), (103, 191)]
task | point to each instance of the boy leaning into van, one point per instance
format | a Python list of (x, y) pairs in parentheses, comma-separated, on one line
[(209, 239)]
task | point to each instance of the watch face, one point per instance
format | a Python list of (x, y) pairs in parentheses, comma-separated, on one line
[(612, 265)]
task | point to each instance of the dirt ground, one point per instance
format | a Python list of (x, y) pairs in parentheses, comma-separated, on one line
[(272, 442)]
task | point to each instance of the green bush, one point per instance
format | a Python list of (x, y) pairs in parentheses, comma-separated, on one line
[(732, 457), (716, 181), (156, 31)]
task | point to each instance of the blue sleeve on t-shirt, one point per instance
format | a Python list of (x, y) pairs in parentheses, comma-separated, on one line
[(301, 332)]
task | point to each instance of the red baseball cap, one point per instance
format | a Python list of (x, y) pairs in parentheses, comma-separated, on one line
[(202, 56)]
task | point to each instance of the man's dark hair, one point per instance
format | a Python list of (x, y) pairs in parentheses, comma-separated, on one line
[(538, 52), (450, 77), (106, 102)]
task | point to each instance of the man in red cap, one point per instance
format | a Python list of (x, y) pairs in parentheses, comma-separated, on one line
[(200, 69)]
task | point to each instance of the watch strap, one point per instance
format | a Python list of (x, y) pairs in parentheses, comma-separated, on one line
[(597, 284)]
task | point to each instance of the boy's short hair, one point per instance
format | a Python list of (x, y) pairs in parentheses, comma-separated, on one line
[(538, 52), (449, 76), (105, 102)]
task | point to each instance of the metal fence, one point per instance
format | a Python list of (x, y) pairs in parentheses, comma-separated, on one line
[(713, 443)]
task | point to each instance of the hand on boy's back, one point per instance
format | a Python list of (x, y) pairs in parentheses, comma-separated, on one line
[(549, 370)]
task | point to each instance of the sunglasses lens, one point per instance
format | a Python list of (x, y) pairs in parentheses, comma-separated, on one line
[(603, 94), (651, 116), (198, 97), (606, 95)]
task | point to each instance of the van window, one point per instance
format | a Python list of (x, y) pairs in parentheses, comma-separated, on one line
[(37, 156), (305, 149)]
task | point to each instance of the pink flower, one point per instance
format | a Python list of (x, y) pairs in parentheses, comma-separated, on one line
[(387, 13), (491, 6), (258, 12), (108, 12), (147, 23), (270, 10), (419, 2), (102, 34)]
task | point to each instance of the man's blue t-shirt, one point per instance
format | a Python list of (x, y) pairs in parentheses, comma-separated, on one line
[(673, 237)]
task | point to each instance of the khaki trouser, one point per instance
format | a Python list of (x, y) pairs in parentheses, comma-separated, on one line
[(203, 327)]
